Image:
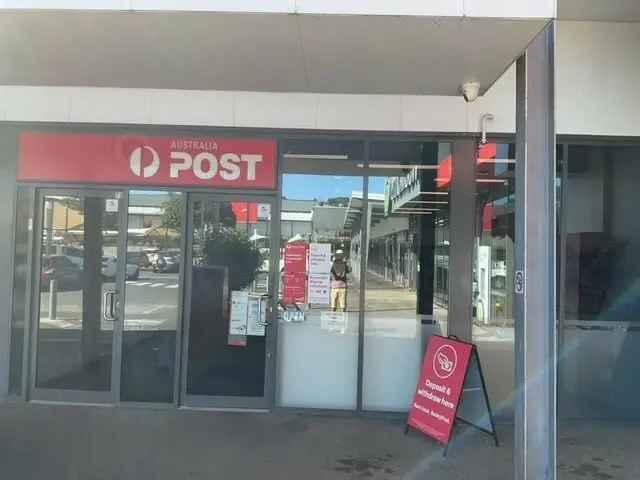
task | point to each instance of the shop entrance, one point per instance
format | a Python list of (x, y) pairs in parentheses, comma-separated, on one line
[(231, 268), (77, 303)]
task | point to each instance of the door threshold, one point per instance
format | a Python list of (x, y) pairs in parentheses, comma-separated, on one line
[(223, 409), (71, 403)]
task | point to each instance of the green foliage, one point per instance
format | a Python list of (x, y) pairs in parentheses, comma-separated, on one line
[(172, 213), (230, 248)]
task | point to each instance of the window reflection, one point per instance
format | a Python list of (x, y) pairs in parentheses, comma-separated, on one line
[(155, 220), (406, 266), (493, 270), (321, 247), (600, 291)]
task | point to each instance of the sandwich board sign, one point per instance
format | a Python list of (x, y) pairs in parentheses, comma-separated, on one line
[(451, 388)]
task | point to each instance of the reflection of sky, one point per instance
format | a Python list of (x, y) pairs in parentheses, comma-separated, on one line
[(323, 187), (319, 187)]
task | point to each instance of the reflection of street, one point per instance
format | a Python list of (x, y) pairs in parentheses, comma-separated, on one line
[(150, 304), (390, 309)]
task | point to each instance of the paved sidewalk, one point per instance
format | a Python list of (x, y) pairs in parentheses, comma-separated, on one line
[(125, 443)]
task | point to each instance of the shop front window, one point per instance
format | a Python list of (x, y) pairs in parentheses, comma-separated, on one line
[(406, 285), (493, 271), (320, 250), (600, 290), (152, 304)]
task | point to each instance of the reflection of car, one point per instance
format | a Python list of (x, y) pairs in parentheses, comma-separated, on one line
[(138, 258), (152, 256), (166, 262), (64, 271), (110, 268)]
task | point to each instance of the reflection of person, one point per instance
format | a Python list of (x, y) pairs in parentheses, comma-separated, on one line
[(339, 271)]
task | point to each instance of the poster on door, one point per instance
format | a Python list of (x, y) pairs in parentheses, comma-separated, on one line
[(319, 283), (319, 258), (319, 289), (238, 313), (256, 316), (295, 273)]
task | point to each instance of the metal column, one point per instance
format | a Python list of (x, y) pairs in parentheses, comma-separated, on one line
[(535, 332), (461, 233)]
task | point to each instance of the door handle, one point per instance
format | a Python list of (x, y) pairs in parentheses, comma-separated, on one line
[(108, 300), (268, 311)]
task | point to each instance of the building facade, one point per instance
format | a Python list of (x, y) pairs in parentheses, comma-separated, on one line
[(230, 142)]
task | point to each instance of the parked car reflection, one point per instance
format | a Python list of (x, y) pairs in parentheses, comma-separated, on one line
[(66, 273), (166, 263)]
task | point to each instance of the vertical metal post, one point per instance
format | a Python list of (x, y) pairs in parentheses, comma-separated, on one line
[(53, 299), (461, 232), (535, 332), (364, 255), (8, 146)]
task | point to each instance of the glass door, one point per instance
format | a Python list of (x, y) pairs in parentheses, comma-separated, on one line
[(77, 305), (229, 305)]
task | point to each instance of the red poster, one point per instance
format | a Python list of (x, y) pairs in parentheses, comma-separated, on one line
[(295, 257), (437, 397), (148, 160), (295, 273), (245, 212)]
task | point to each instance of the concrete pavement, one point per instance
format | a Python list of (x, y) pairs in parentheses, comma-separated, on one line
[(56, 442)]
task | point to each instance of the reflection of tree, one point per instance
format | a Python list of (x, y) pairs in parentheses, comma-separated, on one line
[(172, 213), (231, 248)]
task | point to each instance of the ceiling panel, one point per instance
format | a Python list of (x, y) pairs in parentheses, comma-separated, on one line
[(600, 10), (258, 52)]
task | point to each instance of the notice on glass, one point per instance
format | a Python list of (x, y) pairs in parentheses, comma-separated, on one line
[(319, 258), (238, 314), (264, 211), (319, 288), (256, 315), (334, 321)]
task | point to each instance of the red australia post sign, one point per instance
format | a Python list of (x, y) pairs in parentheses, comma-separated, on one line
[(148, 160), (439, 390)]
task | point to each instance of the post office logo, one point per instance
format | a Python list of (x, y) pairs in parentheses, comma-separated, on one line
[(445, 361), (138, 158)]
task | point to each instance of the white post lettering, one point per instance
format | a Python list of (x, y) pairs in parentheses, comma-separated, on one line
[(252, 159), (198, 162), (176, 168), (230, 168)]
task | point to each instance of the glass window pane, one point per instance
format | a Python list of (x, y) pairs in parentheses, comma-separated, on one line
[(406, 275), (229, 290), (494, 270), (600, 291), (320, 273), (152, 304), (79, 244)]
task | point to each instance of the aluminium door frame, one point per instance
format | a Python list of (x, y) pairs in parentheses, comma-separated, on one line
[(33, 392), (221, 402)]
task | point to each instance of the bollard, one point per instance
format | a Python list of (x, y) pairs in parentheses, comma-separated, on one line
[(53, 299)]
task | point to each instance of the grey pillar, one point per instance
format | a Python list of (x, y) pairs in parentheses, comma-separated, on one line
[(8, 147), (461, 233), (535, 333)]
